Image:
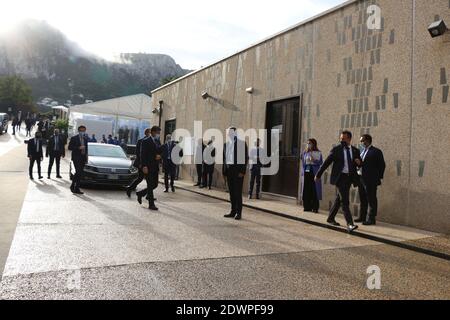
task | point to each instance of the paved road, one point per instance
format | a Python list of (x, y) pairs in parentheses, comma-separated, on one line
[(104, 246)]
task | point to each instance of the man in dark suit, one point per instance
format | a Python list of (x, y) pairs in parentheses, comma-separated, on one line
[(55, 150), (150, 166), (344, 158), (169, 165), (198, 157), (371, 172), (35, 154), (137, 164), (79, 146), (235, 160)]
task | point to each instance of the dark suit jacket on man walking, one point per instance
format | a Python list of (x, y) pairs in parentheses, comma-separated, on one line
[(55, 150), (150, 150), (79, 158), (341, 180)]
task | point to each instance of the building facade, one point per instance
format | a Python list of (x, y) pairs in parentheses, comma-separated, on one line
[(331, 73)]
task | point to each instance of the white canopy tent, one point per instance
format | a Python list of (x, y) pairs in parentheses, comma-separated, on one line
[(137, 107), (125, 117)]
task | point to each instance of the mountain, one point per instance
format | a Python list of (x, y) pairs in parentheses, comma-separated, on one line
[(47, 59)]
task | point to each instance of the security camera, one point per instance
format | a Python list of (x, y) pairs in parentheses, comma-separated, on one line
[(249, 90), (205, 95), (437, 28)]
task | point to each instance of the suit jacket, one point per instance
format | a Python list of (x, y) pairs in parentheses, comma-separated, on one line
[(31, 148), (373, 166), (150, 149), (336, 158), (74, 146), (239, 167), (50, 150), (137, 161), (209, 167), (166, 150)]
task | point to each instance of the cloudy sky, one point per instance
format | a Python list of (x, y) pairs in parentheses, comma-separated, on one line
[(194, 32)]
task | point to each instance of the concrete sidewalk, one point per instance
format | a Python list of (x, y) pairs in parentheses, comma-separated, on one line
[(410, 238)]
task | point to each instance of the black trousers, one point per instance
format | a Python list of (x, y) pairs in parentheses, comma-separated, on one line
[(137, 181), (235, 186), (199, 173), (52, 159), (208, 173), (368, 197), (255, 176), (79, 171), (152, 183), (310, 200), (169, 173), (342, 199), (38, 162)]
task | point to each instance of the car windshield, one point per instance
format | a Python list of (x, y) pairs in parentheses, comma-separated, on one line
[(106, 151)]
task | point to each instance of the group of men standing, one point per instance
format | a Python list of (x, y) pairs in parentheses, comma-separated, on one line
[(55, 150)]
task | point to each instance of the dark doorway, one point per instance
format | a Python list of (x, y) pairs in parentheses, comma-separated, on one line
[(169, 127), (285, 115)]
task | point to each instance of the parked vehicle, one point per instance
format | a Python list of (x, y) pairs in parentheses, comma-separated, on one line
[(4, 119), (108, 165)]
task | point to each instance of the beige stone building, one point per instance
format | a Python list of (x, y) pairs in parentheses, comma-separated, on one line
[(331, 73)]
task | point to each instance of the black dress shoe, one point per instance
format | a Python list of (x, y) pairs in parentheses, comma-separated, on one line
[(58, 177), (231, 215), (370, 223), (258, 197), (333, 223), (31, 178), (352, 228), (238, 217), (139, 199), (197, 184), (250, 197), (166, 191), (315, 211), (128, 193), (78, 192), (360, 220), (41, 177), (48, 177), (173, 189), (153, 207)]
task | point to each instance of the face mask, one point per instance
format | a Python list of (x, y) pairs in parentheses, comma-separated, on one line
[(232, 135), (344, 144), (310, 146), (157, 137)]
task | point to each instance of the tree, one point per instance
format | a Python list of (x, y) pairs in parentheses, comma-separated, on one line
[(16, 94)]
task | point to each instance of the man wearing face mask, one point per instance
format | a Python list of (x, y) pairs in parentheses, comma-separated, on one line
[(35, 154), (79, 146), (55, 149), (168, 164), (371, 172), (345, 159), (235, 160), (150, 166)]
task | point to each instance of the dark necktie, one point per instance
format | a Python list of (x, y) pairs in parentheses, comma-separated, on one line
[(56, 143), (349, 160), (37, 146), (83, 151), (169, 150), (257, 157)]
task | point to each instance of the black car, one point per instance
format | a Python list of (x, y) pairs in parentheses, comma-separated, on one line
[(4, 118), (108, 165)]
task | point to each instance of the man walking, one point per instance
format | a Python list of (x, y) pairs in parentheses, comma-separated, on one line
[(35, 154), (55, 150), (138, 164), (371, 172), (235, 160), (150, 166), (344, 158), (79, 146), (198, 157)]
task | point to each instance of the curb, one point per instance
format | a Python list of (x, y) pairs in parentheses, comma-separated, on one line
[(397, 244)]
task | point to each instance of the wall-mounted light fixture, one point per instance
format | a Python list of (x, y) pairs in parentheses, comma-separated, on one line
[(205, 95), (437, 28), (249, 90)]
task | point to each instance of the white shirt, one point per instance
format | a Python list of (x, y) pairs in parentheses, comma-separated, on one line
[(230, 152), (363, 157), (346, 169)]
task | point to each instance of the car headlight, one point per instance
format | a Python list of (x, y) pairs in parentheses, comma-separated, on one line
[(133, 170)]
